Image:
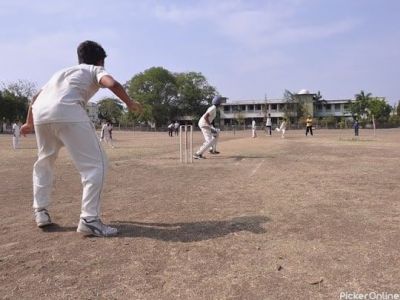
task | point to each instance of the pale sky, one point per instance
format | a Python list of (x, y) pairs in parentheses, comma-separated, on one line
[(247, 49)]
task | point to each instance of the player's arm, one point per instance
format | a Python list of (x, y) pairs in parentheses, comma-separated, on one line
[(28, 126), (113, 85)]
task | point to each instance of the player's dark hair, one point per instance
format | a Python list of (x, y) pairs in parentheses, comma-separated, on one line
[(90, 53)]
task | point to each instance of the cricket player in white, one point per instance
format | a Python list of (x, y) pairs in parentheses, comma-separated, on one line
[(253, 129), (209, 132), (106, 133), (16, 135), (59, 117), (282, 128)]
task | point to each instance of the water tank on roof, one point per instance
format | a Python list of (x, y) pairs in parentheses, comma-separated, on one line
[(303, 92)]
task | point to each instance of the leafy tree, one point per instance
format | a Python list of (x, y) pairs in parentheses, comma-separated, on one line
[(194, 93), (379, 109), (239, 117), (398, 108), (367, 106), (294, 109), (358, 108), (14, 99), (20, 89), (156, 89), (110, 109)]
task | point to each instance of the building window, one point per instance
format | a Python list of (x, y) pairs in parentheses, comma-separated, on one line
[(250, 107), (319, 107), (274, 106), (346, 107), (227, 108), (328, 107), (337, 107), (258, 106), (242, 107)]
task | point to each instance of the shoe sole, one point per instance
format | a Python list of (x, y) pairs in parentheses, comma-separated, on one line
[(42, 225)]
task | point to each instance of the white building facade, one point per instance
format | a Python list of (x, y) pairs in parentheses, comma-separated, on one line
[(247, 110), (93, 112)]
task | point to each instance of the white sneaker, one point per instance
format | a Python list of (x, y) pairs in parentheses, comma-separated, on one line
[(95, 227), (42, 218)]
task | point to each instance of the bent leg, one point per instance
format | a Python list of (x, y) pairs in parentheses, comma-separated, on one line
[(209, 141), (90, 160)]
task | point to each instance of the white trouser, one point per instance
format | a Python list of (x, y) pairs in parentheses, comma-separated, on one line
[(81, 142), (108, 139), (15, 142), (209, 140), (253, 133), (283, 130), (215, 138)]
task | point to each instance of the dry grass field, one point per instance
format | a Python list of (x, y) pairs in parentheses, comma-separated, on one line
[(268, 218)]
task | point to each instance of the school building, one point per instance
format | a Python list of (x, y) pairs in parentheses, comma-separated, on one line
[(247, 110)]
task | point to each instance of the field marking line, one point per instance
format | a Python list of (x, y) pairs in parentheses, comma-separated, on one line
[(256, 168)]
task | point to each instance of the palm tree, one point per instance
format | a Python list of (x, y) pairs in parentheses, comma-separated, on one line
[(361, 104)]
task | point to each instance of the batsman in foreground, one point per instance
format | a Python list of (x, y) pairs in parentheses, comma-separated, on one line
[(210, 133), (58, 115)]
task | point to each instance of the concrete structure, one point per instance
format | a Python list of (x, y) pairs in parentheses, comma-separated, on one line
[(93, 112), (247, 110)]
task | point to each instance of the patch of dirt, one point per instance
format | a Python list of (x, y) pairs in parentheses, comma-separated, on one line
[(268, 218)]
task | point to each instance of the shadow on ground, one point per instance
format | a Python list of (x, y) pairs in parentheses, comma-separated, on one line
[(191, 231), (57, 228)]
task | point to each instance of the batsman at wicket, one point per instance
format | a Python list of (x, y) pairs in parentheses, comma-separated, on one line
[(210, 133)]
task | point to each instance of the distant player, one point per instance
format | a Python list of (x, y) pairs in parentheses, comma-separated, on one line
[(59, 117), (268, 125), (282, 128), (210, 133), (309, 122), (106, 133), (356, 126), (176, 126), (16, 134), (253, 129), (171, 129)]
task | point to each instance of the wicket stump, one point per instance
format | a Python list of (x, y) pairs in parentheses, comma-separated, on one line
[(186, 143)]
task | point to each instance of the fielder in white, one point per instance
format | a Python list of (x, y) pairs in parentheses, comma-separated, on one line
[(59, 117), (253, 129), (106, 133), (16, 135), (282, 128), (210, 133)]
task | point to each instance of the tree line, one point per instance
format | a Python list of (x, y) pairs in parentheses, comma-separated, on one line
[(168, 96), (165, 96)]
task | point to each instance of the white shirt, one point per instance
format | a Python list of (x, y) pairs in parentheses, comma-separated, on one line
[(16, 130), (64, 96), (253, 124), (268, 122), (212, 111), (106, 129)]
